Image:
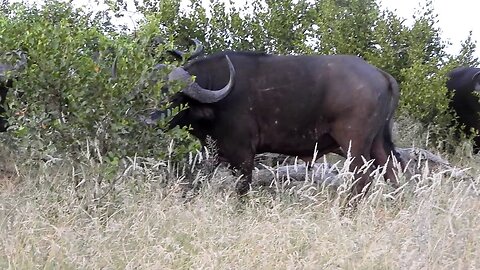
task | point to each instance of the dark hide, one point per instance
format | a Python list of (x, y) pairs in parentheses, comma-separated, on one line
[(463, 81), (8, 73), (4, 86), (292, 105)]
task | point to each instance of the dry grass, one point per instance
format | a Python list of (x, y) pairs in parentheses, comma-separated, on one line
[(141, 221)]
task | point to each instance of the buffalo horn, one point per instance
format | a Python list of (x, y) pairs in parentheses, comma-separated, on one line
[(475, 76), (203, 95), (198, 50)]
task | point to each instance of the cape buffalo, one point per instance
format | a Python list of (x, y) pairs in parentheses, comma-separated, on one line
[(463, 81), (7, 75), (252, 103)]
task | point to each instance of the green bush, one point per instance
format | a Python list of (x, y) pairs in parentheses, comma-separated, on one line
[(68, 99)]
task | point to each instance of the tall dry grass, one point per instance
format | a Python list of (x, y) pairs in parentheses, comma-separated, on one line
[(53, 216)]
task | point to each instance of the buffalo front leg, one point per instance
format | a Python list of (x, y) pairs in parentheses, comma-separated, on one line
[(244, 164), (243, 184), (245, 181)]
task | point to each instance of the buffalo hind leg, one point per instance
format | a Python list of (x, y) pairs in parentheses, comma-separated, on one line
[(359, 150), (362, 178), (382, 155)]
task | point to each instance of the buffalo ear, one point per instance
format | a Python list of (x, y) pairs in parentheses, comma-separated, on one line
[(202, 113)]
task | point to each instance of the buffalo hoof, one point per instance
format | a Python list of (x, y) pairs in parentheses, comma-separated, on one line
[(242, 188)]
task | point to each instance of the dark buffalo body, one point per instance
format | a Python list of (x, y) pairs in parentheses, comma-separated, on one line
[(7, 76), (293, 105), (463, 81), (4, 86)]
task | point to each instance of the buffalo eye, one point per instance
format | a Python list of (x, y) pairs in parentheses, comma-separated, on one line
[(202, 113)]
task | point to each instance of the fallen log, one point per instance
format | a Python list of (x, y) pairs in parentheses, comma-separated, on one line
[(322, 173), (327, 174)]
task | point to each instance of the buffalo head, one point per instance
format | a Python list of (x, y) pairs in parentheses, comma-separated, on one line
[(191, 92)]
